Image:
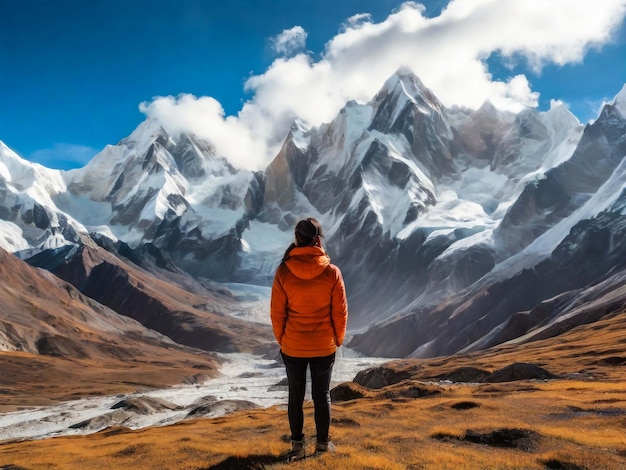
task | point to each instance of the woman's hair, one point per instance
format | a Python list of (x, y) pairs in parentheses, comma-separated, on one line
[(308, 233)]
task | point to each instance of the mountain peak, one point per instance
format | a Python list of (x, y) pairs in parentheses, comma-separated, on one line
[(6, 150), (15, 167), (402, 88), (146, 133), (620, 101), (487, 108), (561, 115), (405, 80)]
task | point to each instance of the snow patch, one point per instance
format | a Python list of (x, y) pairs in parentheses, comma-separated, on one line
[(11, 237)]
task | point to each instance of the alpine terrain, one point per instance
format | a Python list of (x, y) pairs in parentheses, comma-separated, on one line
[(455, 229)]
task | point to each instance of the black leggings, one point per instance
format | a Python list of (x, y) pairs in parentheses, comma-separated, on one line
[(321, 371)]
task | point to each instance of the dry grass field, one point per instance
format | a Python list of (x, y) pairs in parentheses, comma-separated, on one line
[(576, 421)]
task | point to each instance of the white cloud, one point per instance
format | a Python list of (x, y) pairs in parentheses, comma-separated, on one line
[(239, 140), (290, 41), (448, 53), (64, 156), (356, 21)]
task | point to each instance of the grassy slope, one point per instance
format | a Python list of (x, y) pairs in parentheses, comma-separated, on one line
[(575, 422)]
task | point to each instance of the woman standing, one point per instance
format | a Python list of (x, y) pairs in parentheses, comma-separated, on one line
[(309, 315)]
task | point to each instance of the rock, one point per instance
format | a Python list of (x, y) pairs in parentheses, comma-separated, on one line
[(519, 371), (282, 385), (379, 377), (347, 391), (102, 421), (145, 405), (221, 408), (464, 374), (196, 379)]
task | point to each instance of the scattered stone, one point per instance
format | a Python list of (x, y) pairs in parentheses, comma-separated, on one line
[(413, 391), (282, 385), (519, 371), (145, 405), (204, 401), (250, 375), (510, 373), (221, 408), (196, 379), (103, 421), (347, 391), (465, 374), (379, 377)]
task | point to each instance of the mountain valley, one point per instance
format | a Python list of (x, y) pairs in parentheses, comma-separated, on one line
[(470, 241)]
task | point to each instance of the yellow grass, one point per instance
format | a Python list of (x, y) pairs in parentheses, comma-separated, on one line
[(372, 433), (567, 422)]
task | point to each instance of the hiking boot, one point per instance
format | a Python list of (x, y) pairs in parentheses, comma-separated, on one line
[(297, 451), (327, 446)]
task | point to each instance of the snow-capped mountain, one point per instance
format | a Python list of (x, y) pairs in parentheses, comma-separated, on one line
[(420, 203), (172, 191), (30, 221), (405, 187)]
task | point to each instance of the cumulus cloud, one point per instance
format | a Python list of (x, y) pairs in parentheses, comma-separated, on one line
[(290, 41), (449, 53)]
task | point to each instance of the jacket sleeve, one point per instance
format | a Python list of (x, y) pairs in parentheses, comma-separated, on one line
[(278, 308), (339, 308)]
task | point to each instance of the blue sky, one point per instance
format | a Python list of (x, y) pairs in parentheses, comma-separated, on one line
[(74, 74)]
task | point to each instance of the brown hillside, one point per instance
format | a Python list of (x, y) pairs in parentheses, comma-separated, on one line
[(164, 302), (58, 344)]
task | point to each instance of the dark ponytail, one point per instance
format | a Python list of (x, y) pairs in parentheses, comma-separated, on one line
[(286, 255)]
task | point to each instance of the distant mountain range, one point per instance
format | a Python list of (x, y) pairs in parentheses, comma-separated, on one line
[(455, 229)]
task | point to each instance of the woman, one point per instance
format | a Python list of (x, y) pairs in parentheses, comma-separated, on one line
[(309, 315)]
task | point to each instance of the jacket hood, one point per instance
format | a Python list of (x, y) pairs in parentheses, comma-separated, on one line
[(307, 262)]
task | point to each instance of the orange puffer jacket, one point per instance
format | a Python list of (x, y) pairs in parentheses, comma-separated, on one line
[(309, 310)]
